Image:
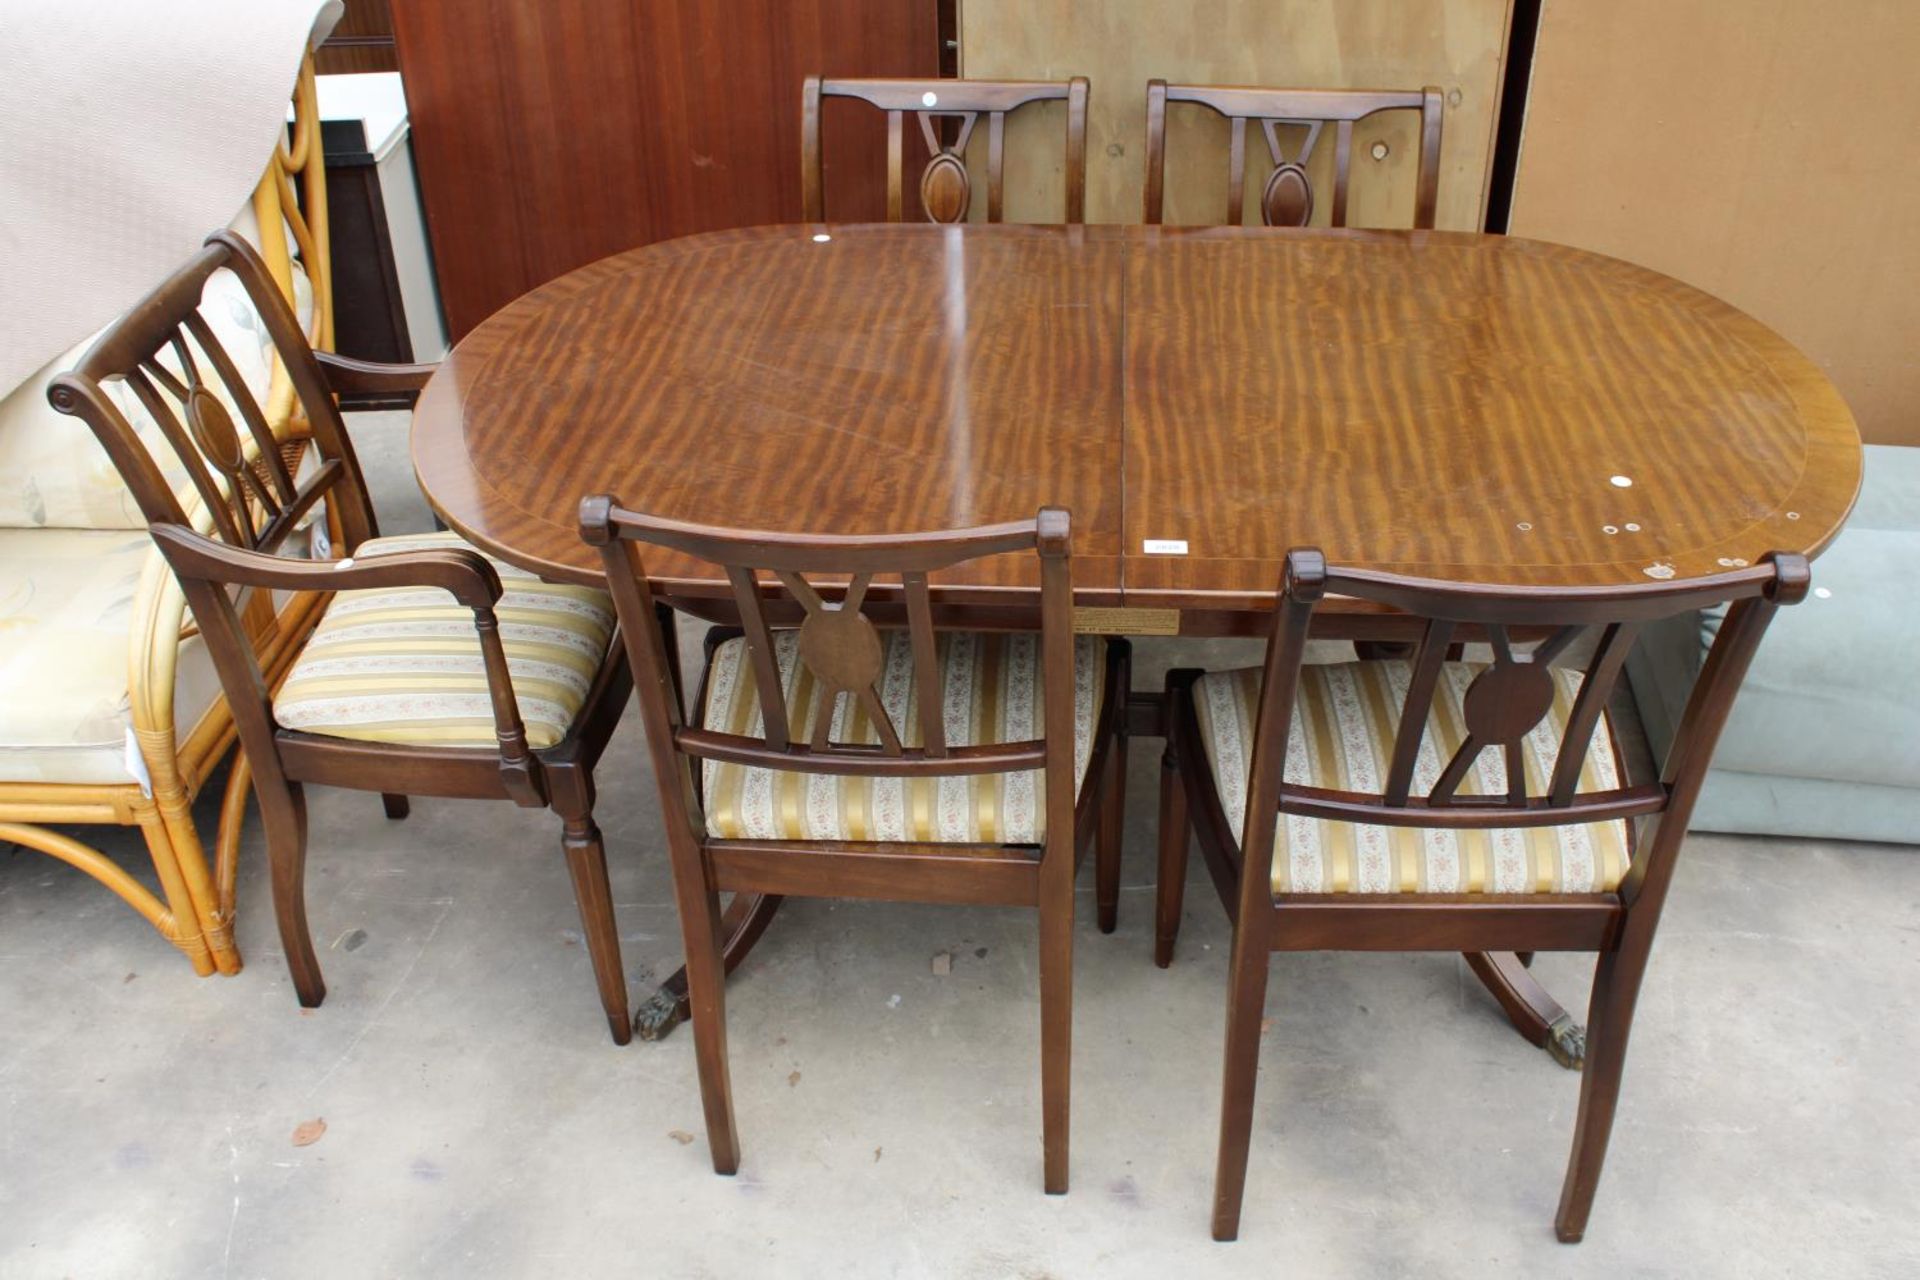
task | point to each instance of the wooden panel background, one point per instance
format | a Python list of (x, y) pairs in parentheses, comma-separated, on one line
[(1310, 44), (549, 135), (1762, 156)]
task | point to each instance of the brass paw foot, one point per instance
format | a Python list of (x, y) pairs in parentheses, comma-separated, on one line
[(1567, 1042), (657, 1017)]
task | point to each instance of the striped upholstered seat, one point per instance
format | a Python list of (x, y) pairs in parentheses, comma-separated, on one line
[(404, 665), (992, 692), (1342, 738)]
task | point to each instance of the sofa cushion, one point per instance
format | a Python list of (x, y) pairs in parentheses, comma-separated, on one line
[(404, 665), (1835, 691), (1825, 721), (66, 598), (1345, 719), (992, 691), (53, 473), (1770, 804)]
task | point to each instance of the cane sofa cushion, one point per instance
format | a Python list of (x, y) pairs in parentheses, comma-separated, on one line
[(66, 624), (54, 474)]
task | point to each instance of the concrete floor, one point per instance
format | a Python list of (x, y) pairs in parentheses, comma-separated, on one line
[(479, 1122)]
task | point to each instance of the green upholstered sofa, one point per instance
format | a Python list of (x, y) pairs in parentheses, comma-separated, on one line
[(1825, 738)]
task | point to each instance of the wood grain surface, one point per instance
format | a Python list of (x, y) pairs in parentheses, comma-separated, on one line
[(890, 378), (1459, 406)]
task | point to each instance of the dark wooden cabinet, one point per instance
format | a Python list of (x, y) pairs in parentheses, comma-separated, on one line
[(361, 41), (548, 135)]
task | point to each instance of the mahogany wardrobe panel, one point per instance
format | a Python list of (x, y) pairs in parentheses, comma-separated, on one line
[(548, 135)]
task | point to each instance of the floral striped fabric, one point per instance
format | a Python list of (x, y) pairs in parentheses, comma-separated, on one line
[(992, 691), (1342, 737), (404, 665)]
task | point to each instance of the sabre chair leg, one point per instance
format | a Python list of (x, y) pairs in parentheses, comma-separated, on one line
[(396, 806), (283, 814), (587, 864), (1616, 988), (1056, 1021), (1246, 1002), (1107, 840), (707, 993)]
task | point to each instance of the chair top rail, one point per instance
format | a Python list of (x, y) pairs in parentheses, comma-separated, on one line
[(950, 95), (150, 324), (1781, 577), (1304, 104), (602, 520)]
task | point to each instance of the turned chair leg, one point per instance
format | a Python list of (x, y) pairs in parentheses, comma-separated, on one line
[(283, 814), (1616, 988), (396, 806), (1107, 840), (587, 865)]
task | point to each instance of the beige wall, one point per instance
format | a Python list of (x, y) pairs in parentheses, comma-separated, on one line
[(1336, 44), (1762, 152)]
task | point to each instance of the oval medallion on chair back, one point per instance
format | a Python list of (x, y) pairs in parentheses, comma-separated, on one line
[(1288, 199), (1400, 745), (163, 399), (945, 189), (945, 186)]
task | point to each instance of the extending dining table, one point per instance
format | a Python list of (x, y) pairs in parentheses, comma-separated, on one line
[(1457, 406)]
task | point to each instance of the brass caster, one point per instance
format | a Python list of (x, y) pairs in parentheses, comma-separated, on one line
[(1567, 1042), (658, 1016)]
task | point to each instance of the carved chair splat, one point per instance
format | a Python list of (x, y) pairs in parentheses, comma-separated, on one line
[(225, 532), (945, 187), (1288, 199), (1505, 708), (841, 650)]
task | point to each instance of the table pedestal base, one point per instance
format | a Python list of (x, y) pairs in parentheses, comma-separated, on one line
[(745, 919), (1531, 1008)]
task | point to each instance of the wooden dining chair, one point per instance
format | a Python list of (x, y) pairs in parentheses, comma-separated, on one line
[(946, 189), (897, 762), (433, 670), (1438, 805), (1288, 198)]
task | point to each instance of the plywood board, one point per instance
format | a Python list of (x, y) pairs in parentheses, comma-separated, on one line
[(1311, 44), (1759, 152)]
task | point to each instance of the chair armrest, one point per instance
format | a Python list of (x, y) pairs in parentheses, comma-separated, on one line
[(463, 574), (202, 563), (348, 376)]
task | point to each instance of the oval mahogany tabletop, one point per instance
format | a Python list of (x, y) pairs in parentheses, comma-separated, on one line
[(1478, 408)]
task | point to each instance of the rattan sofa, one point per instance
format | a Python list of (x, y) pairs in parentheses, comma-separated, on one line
[(110, 711)]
